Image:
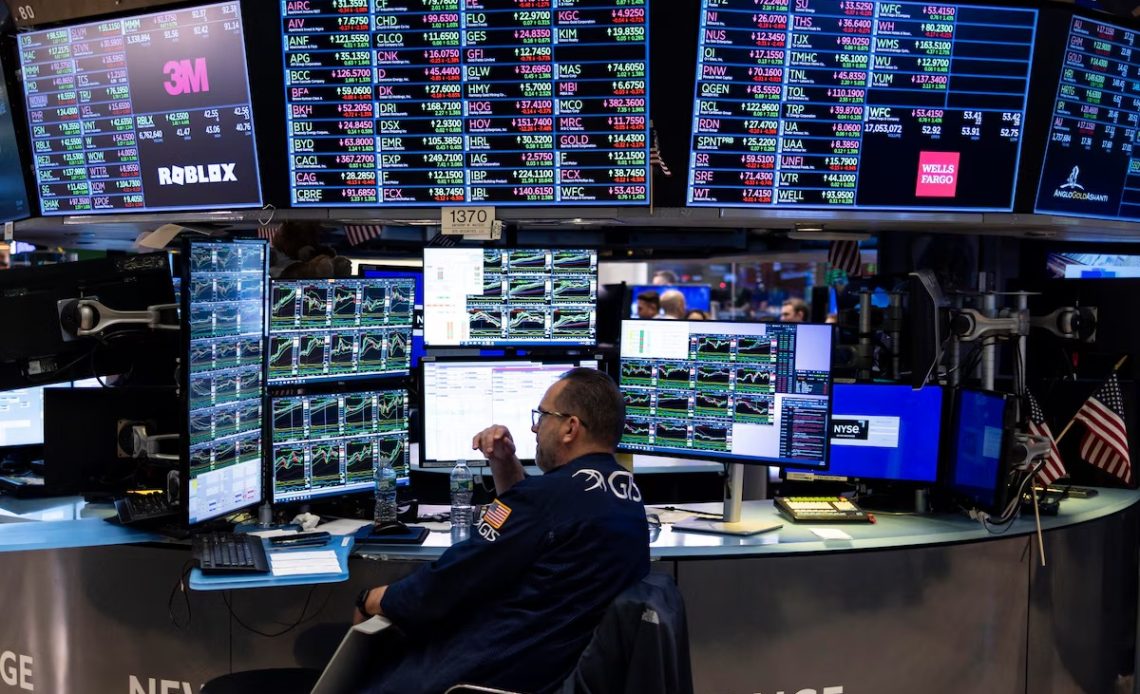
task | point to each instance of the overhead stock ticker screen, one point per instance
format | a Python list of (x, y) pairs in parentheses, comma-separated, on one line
[(143, 113), (439, 102), (859, 104), (1091, 169)]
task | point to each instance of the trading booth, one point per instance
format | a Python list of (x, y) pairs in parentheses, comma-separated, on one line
[(325, 242)]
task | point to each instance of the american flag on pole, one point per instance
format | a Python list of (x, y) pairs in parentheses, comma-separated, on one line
[(1105, 443), (359, 233), (1053, 469), (655, 153), (844, 255)]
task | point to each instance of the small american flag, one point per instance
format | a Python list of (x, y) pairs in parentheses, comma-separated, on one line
[(1054, 468), (1105, 443), (268, 231), (844, 255), (496, 514), (359, 233), (655, 153)]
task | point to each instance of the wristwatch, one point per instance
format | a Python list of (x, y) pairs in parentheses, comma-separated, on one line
[(361, 602)]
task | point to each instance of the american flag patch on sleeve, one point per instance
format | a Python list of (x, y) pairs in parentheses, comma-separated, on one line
[(496, 514)]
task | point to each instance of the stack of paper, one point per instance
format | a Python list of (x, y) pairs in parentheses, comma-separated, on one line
[(296, 563)]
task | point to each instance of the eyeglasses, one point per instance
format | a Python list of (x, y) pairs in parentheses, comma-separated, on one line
[(537, 414)]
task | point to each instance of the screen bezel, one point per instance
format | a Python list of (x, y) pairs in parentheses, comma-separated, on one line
[(184, 378), (521, 344), (730, 458)]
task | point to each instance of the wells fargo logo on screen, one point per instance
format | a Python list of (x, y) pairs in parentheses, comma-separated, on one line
[(186, 77), (937, 175)]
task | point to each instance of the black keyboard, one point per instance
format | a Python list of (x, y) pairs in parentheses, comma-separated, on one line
[(227, 553), (141, 505), (822, 509)]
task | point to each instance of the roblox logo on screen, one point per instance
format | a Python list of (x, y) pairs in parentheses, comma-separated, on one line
[(186, 77), (937, 175), (199, 173), (851, 429)]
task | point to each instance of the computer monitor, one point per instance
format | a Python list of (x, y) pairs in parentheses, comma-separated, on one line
[(431, 104), (978, 456), (737, 392), (798, 109), (22, 414), (463, 397), (883, 432), (45, 345), (416, 275), (1088, 168), (697, 296), (143, 113), (224, 325), (14, 201), (339, 329), (330, 445), (491, 297)]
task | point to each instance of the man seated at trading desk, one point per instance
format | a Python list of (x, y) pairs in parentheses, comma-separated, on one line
[(514, 606)]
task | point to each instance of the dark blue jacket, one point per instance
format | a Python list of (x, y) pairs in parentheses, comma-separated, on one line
[(514, 606)]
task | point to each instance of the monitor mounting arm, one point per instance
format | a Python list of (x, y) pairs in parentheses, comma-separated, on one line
[(89, 317)]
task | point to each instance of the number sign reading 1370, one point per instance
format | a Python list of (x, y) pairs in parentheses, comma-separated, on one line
[(468, 221)]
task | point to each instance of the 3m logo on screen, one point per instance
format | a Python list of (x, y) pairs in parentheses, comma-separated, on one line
[(186, 77), (197, 173)]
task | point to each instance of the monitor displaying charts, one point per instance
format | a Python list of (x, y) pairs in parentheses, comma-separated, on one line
[(329, 445), (150, 112), (452, 102), (223, 313), (1090, 167), (859, 105), (510, 297), (739, 392), (335, 329)]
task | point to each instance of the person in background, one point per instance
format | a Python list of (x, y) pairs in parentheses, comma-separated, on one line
[(664, 277), (648, 304), (673, 304), (794, 310), (514, 606), (696, 314)]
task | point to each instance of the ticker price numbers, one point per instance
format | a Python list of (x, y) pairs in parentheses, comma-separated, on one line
[(405, 102), (86, 130), (793, 95)]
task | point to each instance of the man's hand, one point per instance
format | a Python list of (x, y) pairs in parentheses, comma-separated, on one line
[(496, 444), (371, 604)]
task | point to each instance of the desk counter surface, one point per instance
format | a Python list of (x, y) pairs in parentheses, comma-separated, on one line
[(75, 524)]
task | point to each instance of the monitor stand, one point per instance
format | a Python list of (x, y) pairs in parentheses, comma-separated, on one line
[(730, 523)]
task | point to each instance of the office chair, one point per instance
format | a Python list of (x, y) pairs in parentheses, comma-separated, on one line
[(641, 645)]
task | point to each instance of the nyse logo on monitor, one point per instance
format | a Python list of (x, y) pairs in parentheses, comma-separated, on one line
[(850, 429), (186, 77), (198, 173)]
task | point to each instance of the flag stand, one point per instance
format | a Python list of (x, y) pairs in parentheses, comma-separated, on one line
[(1074, 419)]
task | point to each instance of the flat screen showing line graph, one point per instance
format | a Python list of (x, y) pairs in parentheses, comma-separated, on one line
[(743, 392), (338, 329), (329, 445), (510, 297)]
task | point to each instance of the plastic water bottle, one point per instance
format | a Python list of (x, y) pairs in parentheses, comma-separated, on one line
[(462, 485), (385, 495)]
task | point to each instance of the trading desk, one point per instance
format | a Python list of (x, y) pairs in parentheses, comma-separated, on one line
[(910, 604)]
